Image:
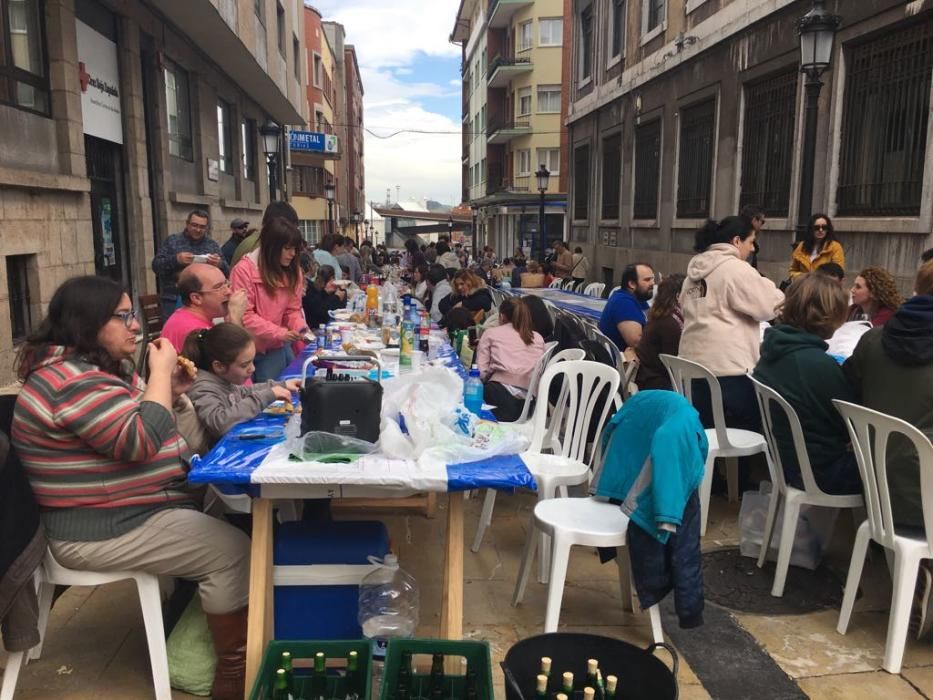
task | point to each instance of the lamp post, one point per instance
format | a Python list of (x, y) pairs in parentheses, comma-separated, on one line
[(542, 176), (357, 217), (450, 228), (473, 210), (329, 192), (817, 31), (271, 134)]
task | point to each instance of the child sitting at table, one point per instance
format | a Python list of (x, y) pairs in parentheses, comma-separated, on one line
[(225, 355)]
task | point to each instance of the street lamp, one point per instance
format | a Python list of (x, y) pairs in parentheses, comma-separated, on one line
[(473, 210), (450, 228), (271, 134), (357, 217), (329, 192), (817, 31), (542, 176)]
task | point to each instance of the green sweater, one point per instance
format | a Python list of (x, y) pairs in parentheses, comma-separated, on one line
[(794, 363)]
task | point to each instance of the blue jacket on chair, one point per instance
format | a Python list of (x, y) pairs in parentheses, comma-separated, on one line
[(655, 452)]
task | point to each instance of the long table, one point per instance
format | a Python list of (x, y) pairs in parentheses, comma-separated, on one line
[(574, 302), (234, 462)]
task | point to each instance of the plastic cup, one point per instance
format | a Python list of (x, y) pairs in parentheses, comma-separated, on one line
[(417, 357)]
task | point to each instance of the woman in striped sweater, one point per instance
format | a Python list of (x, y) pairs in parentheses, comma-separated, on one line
[(106, 461)]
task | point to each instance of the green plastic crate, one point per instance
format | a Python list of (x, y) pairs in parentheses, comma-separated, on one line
[(475, 653), (303, 661)]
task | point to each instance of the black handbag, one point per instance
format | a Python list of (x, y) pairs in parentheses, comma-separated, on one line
[(341, 404)]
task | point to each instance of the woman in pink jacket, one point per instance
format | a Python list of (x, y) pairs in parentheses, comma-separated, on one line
[(506, 356), (273, 283)]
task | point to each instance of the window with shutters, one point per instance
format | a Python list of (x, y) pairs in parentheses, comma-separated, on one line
[(695, 160), (647, 170), (612, 175), (581, 182), (885, 112)]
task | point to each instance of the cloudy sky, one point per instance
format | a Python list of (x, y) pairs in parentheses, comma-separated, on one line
[(411, 80)]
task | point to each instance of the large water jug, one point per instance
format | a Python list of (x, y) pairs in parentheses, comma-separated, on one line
[(388, 607)]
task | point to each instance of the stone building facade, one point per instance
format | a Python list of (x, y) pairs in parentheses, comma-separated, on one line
[(681, 110), (117, 118)]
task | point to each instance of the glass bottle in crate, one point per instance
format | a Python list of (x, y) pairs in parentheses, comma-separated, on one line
[(280, 689), (354, 679), (319, 678)]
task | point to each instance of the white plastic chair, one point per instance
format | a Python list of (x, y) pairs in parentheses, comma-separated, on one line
[(524, 426), (564, 431), (588, 522), (594, 289), (614, 290), (870, 432), (556, 284), (768, 401), (568, 285), (729, 443), (51, 573)]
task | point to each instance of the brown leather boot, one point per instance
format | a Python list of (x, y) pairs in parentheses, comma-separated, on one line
[(229, 633)]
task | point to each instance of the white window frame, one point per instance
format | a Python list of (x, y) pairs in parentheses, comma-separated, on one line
[(548, 160), (520, 155), (521, 95), (547, 21), (647, 35), (521, 45), (317, 69), (610, 34), (548, 89)]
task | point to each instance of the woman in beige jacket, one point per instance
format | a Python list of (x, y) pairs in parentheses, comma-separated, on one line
[(724, 302)]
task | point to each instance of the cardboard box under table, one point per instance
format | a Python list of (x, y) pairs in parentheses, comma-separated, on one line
[(317, 569)]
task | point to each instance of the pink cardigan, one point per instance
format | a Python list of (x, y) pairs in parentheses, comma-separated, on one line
[(503, 357), (267, 317)]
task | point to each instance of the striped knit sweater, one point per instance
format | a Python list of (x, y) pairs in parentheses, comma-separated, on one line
[(99, 459)]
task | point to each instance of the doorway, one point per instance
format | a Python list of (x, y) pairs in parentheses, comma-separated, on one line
[(104, 170)]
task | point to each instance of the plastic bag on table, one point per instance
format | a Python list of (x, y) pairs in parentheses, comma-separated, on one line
[(814, 529), (427, 403), (318, 446), (489, 440)]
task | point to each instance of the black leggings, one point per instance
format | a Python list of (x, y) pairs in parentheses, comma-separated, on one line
[(508, 408)]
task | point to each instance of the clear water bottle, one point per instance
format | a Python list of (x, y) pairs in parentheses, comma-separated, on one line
[(388, 609), (473, 392)]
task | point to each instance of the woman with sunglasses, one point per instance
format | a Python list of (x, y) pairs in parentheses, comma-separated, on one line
[(818, 248), (107, 464)]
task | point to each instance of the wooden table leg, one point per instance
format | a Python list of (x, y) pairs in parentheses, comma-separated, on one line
[(452, 605), (259, 630)]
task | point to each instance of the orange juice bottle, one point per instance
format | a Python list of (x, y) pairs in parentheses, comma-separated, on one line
[(372, 305)]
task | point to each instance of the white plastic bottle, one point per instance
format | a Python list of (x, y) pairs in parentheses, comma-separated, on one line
[(388, 608)]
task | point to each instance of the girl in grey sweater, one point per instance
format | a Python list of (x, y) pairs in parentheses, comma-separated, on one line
[(224, 355)]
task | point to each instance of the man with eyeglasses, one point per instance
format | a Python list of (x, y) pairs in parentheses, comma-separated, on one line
[(178, 251), (206, 298), (238, 230)]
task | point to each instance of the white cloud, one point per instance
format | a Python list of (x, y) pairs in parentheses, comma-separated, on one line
[(389, 37)]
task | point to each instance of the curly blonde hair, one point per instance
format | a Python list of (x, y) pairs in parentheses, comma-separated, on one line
[(882, 286)]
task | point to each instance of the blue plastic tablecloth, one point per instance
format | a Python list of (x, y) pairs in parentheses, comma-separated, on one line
[(239, 453), (566, 300)]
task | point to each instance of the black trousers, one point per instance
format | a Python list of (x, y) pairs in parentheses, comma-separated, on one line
[(508, 408)]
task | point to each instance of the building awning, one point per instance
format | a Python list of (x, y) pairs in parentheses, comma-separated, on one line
[(201, 22)]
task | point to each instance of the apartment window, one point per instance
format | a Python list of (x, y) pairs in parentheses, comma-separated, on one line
[(652, 15), (308, 180), (259, 7), (524, 36), (18, 282), (551, 32), (24, 79), (549, 99), (524, 102), (280, 27), (317, 71), (581, 182), (768, 142), (476, 120), (248, 144), (296, 57), (585, 57), (647, 170), (617, 30), (225, 136), (523, 162), (550, 159), (695, 160), (312, 231), (482, 118), (884, 123), (178, 106), (482, 170), (612, 176)]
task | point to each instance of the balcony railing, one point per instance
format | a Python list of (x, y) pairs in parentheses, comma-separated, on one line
[(503, 131), (500, 61)]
